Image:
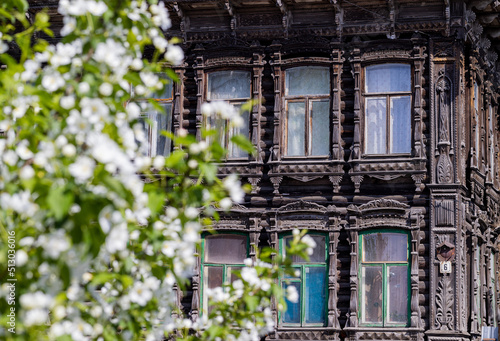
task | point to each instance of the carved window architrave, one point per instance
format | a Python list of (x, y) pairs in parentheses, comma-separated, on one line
[(178, 100), (315, 218), (491, 106), (253, 62), (307, 168), (478, 276), (388, 214), (387, 166), (238, 219), (491, 255), (477, 75)]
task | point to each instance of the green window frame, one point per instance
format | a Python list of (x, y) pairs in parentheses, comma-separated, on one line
[(384, 278), (311, 309), (221, 255)]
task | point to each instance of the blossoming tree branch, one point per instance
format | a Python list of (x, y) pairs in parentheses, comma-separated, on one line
[(104, 235)]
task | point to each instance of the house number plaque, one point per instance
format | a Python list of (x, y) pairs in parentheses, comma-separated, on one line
[(445, 267)]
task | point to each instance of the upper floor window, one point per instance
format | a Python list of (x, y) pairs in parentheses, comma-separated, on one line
[(384, 279), (154, 121), (387, 109), (233, 87), (311, 285), (222, 256), (307, 101)]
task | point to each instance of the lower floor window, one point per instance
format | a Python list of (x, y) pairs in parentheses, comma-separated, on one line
[(222, 257), (384, 278), (310, 284)]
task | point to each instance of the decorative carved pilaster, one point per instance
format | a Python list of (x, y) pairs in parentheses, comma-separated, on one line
[(195, 303), (444, 303), (418, 110), (337, 149), (356, 73), (276, 181), (475, 313), (257, 70), (415, 319), (333, 312), (199, 78), (444, 113), (275, 150), (353, 307)]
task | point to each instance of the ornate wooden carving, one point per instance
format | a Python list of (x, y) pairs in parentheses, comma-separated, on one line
[(377, 214), (444, 302), (389, 167), (444, 113)]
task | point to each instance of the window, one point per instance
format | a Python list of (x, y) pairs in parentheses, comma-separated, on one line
[(311, 285), (222, 255), (154, 121), (233, 87), (387, 109), (307, 101), (384, 279)]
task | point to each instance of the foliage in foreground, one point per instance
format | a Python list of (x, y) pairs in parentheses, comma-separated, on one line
[(100, 245)]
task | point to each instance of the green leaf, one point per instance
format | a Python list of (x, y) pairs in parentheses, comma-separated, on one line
[(209, 170), (176, 159), (156, 201), (242, 142), (60, 201)]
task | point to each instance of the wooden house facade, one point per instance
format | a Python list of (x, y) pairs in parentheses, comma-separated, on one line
[(376, 129)]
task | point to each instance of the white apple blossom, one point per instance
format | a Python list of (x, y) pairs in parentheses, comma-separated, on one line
[(105, 89), (291, 294), (82, 169), (69, 26), (52, 81), (117, 239), (174, 54), (140, 294)]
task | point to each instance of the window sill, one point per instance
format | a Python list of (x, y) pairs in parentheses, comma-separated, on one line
[(388, 167)]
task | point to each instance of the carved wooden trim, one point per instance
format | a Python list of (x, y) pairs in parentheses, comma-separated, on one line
[(386, 168), (378, 214)]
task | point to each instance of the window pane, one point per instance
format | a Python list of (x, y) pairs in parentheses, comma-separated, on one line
[(371, 294), (376, 124), (388, 78), (167, 91), (307, 80), (296, 130), (400, 124), (218, 124), (234, 151), (319, 135), (233, 272), (476, 97), (164, 122), (318, 255), (385, 247), (212, 278), (228, 85), (292, 313), (397, 296), (315, 294), (227, 249)]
